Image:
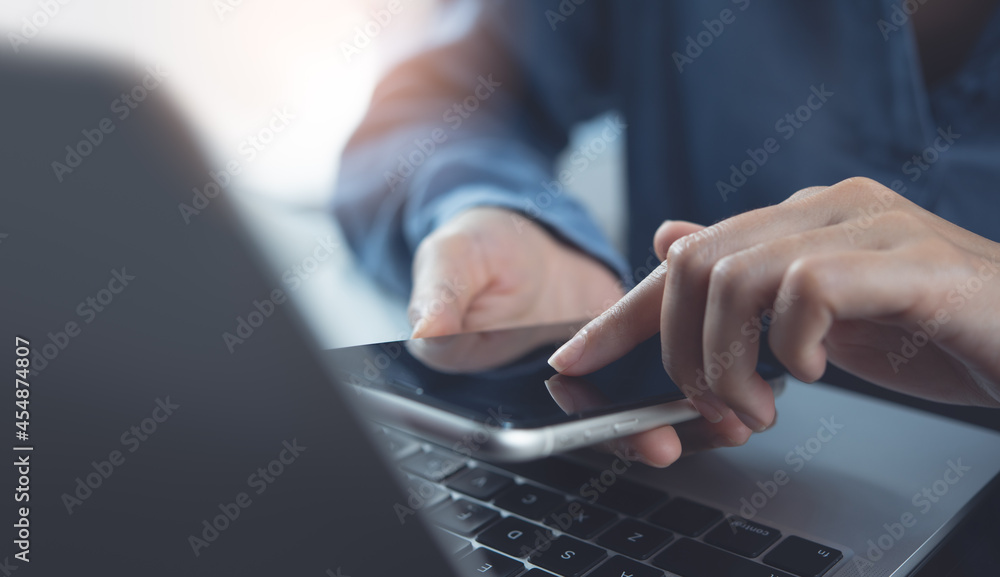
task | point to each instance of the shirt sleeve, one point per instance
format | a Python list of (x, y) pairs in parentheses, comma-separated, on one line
[(477, 119)]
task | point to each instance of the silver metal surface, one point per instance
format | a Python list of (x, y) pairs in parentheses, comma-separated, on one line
[(857, 486), (488, 441)]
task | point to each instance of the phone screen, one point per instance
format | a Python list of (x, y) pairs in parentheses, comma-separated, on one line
[(502, 377)]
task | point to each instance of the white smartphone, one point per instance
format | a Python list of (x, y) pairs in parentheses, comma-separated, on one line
[(492, 395)]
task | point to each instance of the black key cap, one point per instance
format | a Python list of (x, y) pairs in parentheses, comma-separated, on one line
[(423, 494), (515, 537), (606, 488), (433, 465), (536, 572), (686, 517), (395, 445), (626, 497), (480, 483), (489, 563), (690, 558), (568, 557), (636, 539), (529, 501), (553, 472), (803, 557), (619, 566), (743, 537), (580, 519), (463, 517), (451, 544)]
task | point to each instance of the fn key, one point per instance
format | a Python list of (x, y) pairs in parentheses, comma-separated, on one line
[(802, 557)]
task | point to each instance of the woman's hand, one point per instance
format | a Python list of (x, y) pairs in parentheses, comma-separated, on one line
[(490, 268), (853, 274)]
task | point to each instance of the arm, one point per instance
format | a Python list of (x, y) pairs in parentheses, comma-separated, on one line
[(475, 120)]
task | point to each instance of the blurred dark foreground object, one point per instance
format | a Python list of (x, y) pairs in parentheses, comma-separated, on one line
[(159, 448)]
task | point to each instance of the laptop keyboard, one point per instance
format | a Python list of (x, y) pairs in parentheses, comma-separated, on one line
[(565, 519)]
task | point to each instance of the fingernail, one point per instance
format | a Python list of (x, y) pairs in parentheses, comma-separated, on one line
[(752, 422), (709, 412), (569, 353), (419, 328)]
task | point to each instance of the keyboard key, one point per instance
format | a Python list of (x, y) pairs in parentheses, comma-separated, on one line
[(536, 572), (529, 501), (515, 537), (483, 562), (803, 557), (480, 483), (615, 493), (463, 517), (423, 494), (432, 465), (619, 566), (686, 517), (450, 544), (743, 537), (553, 472), (636, 539), (568, 557), (628, 497), (395, 445), (580, 519), (689, 558)]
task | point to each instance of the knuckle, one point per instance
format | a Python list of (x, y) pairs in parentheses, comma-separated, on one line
[(726, 276), (689, 255), (805, 276), (897, 219), (862, 182), (806, 193)]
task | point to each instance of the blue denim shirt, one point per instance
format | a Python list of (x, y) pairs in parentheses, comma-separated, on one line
[(729, 105)]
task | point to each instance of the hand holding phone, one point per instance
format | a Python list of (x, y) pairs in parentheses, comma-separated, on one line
[(493, 396)]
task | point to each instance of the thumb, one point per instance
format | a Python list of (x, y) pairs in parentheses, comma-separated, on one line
[(670, 231), (447, 275)]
